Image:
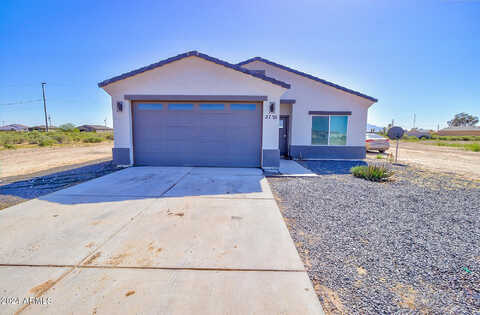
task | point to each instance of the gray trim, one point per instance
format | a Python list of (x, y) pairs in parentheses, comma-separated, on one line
[(271, 158), (306, 152), (331, 113), (199, 55), (258, 71), (306, 75), (121, 156), (287, 101), (220, 98)]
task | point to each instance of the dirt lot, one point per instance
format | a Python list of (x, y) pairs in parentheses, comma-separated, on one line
[(22, 163), (435, 158)]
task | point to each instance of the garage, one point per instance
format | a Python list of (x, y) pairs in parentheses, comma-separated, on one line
[(189, 133)]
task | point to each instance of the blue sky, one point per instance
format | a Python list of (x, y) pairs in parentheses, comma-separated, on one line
[(414, 56)]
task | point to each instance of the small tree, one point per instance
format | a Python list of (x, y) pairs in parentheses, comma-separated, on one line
[(463, 120), (67, 127)]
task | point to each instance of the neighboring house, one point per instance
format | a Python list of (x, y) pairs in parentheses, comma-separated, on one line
[(14, 127), (42, 128), (196, 110), (94, 128), (460, 131)]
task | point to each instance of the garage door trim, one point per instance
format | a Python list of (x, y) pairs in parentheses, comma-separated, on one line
[(195, 102)]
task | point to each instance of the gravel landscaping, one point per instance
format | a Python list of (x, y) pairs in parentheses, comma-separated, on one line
[(409, 245), (16, 191)]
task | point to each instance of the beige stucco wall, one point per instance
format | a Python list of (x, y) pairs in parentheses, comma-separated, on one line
[(192, 76), (314, 96)]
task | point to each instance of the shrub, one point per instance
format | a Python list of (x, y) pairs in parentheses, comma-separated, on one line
[(475, 147), (45, 141), (9, 146), (109, 136), (67, 127), (60, 137), (92, 140), (374, 173), (379, 156)]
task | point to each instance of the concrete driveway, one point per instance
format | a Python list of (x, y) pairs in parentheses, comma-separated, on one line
[(148, 240)]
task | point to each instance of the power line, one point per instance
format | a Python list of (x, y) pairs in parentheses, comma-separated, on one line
[(21, 102)]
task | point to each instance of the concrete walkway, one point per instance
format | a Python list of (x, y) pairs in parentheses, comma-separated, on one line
[(150, 240), (294, 169)]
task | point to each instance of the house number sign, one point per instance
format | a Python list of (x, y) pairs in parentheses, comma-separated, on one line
[(270, 116)]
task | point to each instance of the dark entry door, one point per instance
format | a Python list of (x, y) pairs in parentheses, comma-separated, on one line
[(283, 135)]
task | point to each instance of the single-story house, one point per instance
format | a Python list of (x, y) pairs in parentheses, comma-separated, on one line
[(42, 128), (14, 127), (94, 128), (460, 131), (196, 110)]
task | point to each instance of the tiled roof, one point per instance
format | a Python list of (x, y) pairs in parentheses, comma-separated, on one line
[(306, 75), (196, 54)]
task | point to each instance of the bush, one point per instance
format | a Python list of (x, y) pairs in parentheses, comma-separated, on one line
[(374, 173), (109, 136), (45, 141), (67, 127), (92, 140), (475, 147), (379, 156), (9, 146)]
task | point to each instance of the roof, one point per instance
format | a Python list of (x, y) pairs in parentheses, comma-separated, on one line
[(100, 127), (306, 75), (13, 126), (462, 128), (199, 55)]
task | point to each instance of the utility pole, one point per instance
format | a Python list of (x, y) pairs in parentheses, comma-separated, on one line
[(105, 120), (44, 105), (49, 121), (414, 118)]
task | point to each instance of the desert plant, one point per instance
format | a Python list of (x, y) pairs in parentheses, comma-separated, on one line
[(45, 141), (67, 127), (92, 139), (9, 146), (374, 173)]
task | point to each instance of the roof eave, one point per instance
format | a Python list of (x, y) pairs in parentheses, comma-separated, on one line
[(199, 55), (309, 76)]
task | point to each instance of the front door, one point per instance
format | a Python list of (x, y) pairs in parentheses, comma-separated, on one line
[(283, 135)]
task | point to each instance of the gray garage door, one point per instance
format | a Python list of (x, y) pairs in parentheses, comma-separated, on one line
[(197, 134)]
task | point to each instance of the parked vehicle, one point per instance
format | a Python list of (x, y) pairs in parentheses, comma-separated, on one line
[(377, 142), (419, 133)]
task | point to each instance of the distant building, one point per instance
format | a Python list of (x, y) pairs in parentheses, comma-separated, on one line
[(419, 133), (14, 127), (42, 128), (94, 128), (460, 131)]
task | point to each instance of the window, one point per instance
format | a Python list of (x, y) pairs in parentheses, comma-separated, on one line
[(243, 106), (329, 130), (320, 130), (150, 106), (180, 106), (280, 123), (212, 106)]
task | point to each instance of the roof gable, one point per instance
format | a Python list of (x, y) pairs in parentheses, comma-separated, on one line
[(199, 55), (306, 75)]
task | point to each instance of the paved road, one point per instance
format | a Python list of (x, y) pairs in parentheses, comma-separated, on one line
[(151, 240)]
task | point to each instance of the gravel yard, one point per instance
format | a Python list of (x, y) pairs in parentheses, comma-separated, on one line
[(410, 245), (16, 191)]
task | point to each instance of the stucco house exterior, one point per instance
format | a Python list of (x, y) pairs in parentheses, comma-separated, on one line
[(196, 110)]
